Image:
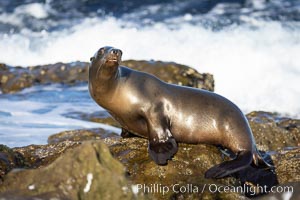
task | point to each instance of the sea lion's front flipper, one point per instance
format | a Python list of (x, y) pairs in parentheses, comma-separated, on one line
[(162, 145), (162, 151), (226, 168)]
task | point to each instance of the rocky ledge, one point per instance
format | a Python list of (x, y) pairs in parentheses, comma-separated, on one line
[(91, 164), (13, 79)]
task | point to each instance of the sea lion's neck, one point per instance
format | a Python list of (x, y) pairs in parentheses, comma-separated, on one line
[(107, 73), (104, 84)]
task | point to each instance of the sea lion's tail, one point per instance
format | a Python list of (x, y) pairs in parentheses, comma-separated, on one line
[(261, 161)]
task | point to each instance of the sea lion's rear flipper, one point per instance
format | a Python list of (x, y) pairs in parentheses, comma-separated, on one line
[(262, 160), (226, 168)]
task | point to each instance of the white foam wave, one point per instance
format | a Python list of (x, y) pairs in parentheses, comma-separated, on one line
[(258, 69), (36, 10)]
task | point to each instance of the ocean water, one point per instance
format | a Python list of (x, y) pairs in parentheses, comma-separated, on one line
[(250, 46), (33, 114)]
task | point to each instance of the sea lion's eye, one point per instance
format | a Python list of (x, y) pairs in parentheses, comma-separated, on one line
[(91, 59)]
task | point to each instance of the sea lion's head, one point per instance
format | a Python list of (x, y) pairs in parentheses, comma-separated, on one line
[(104, 64), (106, 56)]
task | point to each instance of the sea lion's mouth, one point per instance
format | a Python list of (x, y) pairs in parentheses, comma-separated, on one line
[(112, 61)]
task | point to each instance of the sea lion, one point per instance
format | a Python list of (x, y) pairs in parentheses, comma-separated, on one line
[(166, 113)]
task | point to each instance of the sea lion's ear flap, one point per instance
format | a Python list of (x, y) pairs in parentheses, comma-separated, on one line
[(91, 59)]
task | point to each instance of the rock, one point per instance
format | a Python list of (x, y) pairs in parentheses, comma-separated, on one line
[(273, 132), (174, 73), (3, 67), (190, 163), (7, 161), (132, 152), (184, 171), (34, 156), (81, 135), (264, 126), (287, 164), (13, 79), (31, 156), (86, 172), (18, 78), (187, 167)]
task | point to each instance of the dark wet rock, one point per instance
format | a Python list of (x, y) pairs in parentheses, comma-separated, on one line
[(86, 172), (13, 79), (17, 78), (81, 135), (34, 156), (3, 67), (31, 156), (7, 161), (273, 132), (174, 73)]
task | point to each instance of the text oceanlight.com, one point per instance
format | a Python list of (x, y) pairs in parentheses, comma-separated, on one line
[(213, 188)]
